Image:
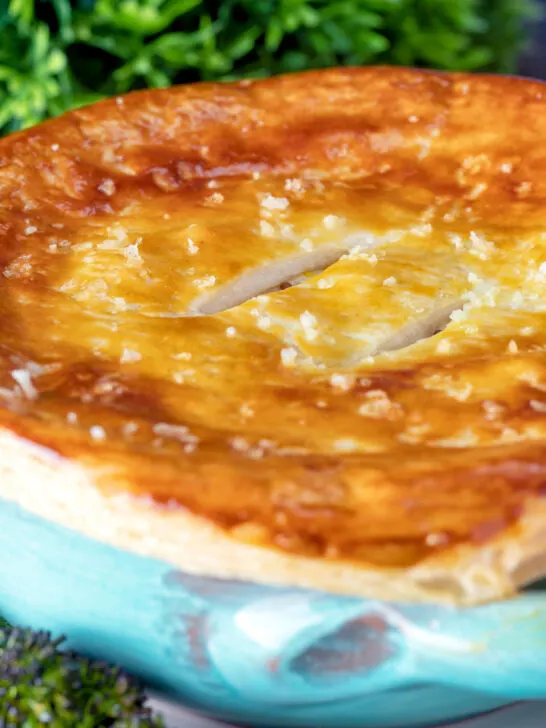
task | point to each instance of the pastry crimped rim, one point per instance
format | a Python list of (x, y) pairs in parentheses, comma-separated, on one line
[(299, 438)]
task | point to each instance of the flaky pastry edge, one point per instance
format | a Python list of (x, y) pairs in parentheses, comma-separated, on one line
[(66, 493)]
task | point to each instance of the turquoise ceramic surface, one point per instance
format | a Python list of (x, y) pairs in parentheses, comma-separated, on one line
[(271, 656)]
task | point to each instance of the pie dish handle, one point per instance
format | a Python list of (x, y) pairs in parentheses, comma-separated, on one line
[(300, 647)]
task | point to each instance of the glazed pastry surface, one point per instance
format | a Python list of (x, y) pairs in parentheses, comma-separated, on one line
[(309, 311)]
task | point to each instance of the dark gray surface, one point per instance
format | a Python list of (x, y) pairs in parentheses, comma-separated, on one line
[(524, 715), (177, 717)]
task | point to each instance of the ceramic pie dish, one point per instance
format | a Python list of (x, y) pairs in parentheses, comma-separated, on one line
[(272, 392)]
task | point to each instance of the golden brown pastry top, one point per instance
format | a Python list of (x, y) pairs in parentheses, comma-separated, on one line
[(139, 238)]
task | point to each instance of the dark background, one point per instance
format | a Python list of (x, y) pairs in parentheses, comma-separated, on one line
[(534, 60)]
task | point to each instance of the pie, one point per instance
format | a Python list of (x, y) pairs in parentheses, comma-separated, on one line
[(289, 331)]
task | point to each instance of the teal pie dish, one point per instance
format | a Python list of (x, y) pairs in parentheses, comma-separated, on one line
[(273, 393), (266, 656)]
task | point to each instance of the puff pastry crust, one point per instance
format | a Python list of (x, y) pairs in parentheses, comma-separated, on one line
[(291, 331)]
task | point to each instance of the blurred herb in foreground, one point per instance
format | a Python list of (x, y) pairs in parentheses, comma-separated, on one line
[(58, 54), (42, 684)]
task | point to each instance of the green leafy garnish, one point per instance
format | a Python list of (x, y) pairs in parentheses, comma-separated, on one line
[(59, 54), (41, 684)]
